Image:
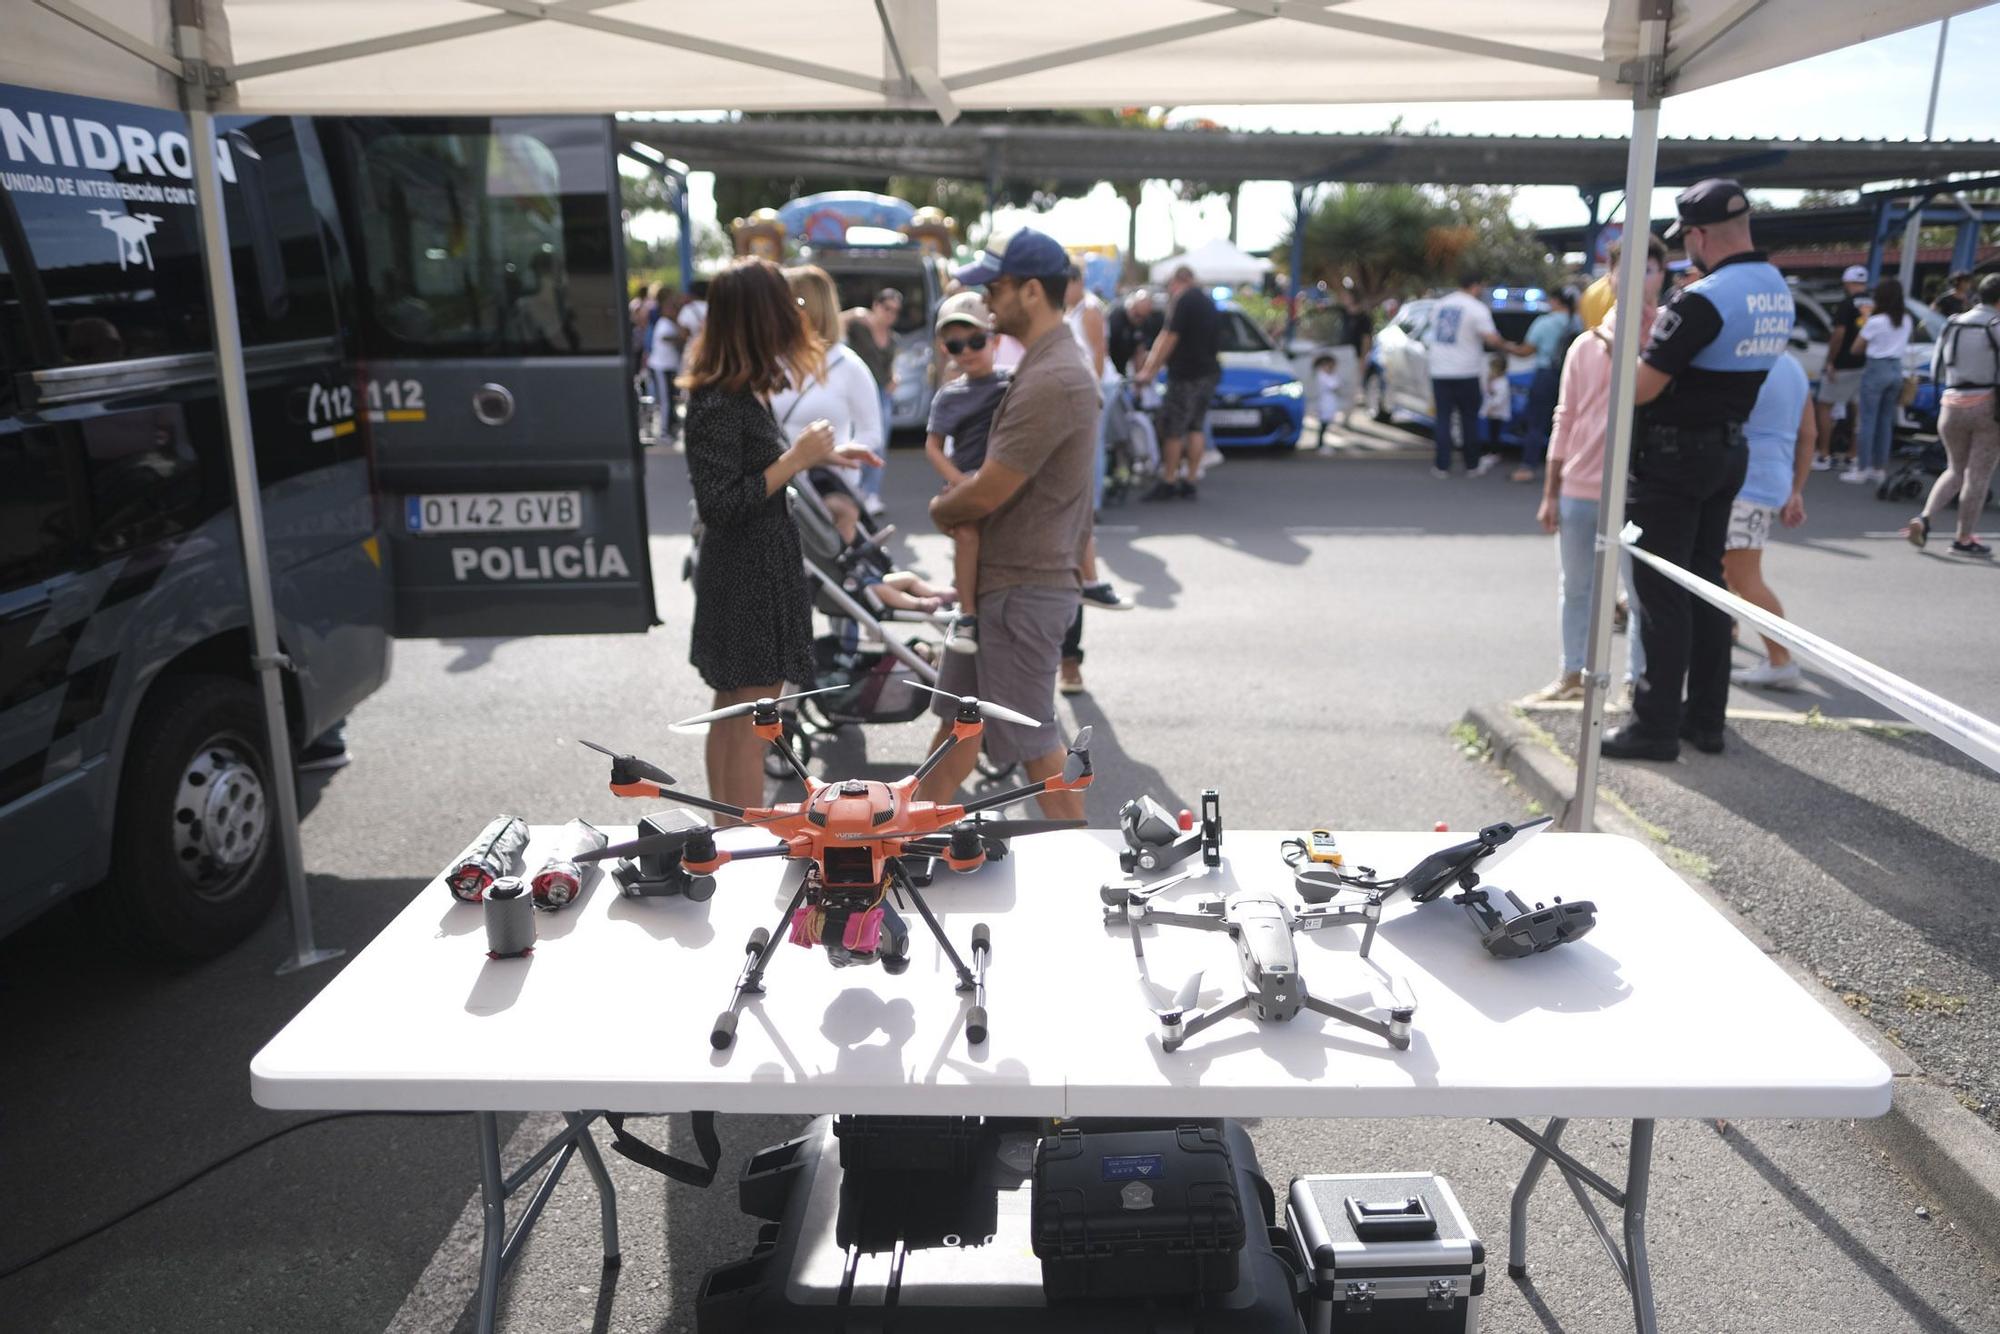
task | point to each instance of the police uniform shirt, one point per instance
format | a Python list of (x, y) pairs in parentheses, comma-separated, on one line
[(1718, 337)]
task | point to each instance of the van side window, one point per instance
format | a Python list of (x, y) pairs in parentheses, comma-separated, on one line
[(490, 244), (278, 257)]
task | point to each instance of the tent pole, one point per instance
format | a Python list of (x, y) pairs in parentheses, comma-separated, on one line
[(265, 659), (1641, 162)]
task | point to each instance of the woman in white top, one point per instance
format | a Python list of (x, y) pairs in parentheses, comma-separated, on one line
[(1885, 333), (844, 393)]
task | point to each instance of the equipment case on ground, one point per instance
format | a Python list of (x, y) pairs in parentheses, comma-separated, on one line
[(1387, 1254), (907, 1252)]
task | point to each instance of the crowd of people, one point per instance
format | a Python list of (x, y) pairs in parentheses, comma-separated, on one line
[(1040, 386)]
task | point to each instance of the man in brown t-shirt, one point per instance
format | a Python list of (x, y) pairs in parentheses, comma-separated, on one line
[(1031, 499)]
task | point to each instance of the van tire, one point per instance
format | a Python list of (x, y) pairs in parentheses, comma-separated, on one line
[(197, 761)]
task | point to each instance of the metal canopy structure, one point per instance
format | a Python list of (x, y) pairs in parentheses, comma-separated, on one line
[(1084, 155)]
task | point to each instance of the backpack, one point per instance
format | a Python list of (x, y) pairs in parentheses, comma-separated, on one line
[(1947, 351)]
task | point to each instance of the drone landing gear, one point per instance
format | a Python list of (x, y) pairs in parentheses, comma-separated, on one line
[(757, 956)]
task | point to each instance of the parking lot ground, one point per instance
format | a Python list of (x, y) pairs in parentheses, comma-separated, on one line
[(1307, 635)]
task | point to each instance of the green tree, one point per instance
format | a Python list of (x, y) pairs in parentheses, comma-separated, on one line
[(1396, 239)]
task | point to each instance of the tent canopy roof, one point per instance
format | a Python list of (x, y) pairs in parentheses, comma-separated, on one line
[(1217, 260), (500, 56)]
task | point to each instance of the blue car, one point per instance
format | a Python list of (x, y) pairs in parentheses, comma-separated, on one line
[(1258, 402)]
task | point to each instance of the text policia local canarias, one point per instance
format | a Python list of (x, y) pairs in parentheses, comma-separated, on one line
[(65, 141)]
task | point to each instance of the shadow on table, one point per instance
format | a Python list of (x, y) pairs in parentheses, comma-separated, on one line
[(124, 1079)]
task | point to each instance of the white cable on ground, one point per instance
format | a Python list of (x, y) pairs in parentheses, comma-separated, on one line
[(1976, 736)]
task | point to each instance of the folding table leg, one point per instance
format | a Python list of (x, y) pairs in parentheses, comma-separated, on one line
[(493, 1205), (1517, 1214), (1630, 1260), (1638, 1180), (607, 1201)]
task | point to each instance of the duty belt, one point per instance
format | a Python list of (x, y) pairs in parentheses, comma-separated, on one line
[(1722, 435)]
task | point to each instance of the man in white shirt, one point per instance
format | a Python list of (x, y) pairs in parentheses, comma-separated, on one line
[(1461, 334)]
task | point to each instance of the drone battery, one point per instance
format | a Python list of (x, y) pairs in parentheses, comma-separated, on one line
[(495, 853), (1388, 1254), (561, 877), (1141, 1213), (851, 1247), (510, 919)]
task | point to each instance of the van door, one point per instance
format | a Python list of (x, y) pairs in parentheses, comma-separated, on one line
[(490, 264)]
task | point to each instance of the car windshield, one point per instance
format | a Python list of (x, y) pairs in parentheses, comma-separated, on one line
[(858, 286), (1238, 334)]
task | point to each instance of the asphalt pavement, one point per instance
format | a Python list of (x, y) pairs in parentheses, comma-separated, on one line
[(1308, 634)]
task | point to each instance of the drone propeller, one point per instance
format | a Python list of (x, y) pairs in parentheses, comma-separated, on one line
[(984, 708), (1170, 1009), (754, 706), (631, 766), (1077, 764)]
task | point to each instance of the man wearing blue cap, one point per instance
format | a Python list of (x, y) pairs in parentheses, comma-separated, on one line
[(1710, 348), (1031, 498)]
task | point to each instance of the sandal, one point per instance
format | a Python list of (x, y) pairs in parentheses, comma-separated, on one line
[(1972, 548), (1918, 530)]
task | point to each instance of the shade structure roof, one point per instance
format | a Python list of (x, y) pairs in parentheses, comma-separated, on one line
[(1082, 155), (498, 56)]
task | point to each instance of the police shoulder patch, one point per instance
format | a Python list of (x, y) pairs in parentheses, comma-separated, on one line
[(1666, 324)]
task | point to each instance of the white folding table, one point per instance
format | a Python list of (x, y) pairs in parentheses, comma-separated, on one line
[(1664, 1010)]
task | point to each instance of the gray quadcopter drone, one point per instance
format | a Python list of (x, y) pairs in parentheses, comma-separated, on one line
[(1263, 924)]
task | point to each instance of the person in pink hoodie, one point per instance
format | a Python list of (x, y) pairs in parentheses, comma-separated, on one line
[(1572, 490)]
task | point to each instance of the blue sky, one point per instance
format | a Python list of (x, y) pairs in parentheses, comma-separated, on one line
[(1875, 91)]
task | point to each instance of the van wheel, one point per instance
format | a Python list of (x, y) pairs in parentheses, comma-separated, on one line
[(193, 870), (1375, 396)]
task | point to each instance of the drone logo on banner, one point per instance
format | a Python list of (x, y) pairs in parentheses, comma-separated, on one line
[(132, 231)]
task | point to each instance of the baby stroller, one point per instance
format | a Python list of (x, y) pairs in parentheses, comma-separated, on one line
[(1916, 468), (858, 653), (1134, 444)]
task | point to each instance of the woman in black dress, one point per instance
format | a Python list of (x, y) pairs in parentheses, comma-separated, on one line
[(752, 609)]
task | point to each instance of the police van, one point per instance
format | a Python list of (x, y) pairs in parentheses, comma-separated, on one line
[(432, 328)]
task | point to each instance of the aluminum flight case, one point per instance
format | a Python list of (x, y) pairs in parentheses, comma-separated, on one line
[(855, 1251), (1388, 1253)]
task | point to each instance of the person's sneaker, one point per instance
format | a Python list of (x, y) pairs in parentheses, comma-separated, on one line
[(1821, 463), (1878, 475), (1567, 686), (1487, 463), (1708, 743), (1162, 490), (1102, 595), (1918, 531), (962, 635), (323, 755), (1069, 677), (1440, 473), (873, 504), (1521, 475), (1973, 548), (1185, 491), (1629, 743), (1766, 677), (1855, 475)]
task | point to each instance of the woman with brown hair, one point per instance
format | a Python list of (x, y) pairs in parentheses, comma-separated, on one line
[(752, 612)]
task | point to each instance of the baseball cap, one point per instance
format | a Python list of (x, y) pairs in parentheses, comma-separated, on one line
[(1854, 273), (963, 308), (1708, 202), (1026, 254)]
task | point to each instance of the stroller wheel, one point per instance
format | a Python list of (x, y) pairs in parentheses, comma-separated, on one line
[(991, 770), (796, 741)]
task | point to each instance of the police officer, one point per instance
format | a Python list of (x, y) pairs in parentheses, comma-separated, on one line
[(1704, 362)]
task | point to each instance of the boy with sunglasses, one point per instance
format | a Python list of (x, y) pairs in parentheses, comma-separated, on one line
[(961, 414)]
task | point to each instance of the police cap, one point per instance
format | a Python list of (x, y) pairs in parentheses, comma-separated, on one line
[(1708, 202)]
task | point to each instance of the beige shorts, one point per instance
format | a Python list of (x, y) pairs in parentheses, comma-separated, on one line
[(1749, 526)]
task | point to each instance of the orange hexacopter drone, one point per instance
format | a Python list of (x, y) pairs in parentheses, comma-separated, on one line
[(853, 837)]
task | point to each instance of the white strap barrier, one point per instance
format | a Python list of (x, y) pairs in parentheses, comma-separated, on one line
[(1976, 736)]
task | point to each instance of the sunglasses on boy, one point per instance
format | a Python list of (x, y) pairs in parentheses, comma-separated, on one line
[(975, 342)]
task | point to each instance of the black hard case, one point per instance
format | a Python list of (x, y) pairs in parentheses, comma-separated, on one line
[(1424, 1285), (1139, 1212), (902, 1252)]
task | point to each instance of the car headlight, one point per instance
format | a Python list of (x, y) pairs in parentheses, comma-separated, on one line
[(1283, 389)]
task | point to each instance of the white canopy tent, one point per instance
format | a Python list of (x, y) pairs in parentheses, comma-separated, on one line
[(600, 56), (1218, 261)]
